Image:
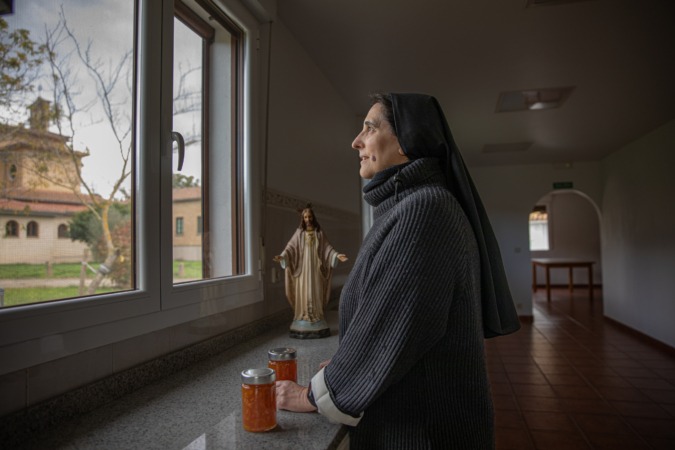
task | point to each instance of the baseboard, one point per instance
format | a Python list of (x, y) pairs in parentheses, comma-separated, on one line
[(643, 337), (526, 318)]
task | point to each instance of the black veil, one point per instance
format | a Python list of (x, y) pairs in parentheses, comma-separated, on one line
[(423, 131)]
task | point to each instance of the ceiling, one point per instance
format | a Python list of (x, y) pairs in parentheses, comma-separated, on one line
[(617, 55)]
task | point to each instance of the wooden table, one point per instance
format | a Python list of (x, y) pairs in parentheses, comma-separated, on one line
[(548, 263)]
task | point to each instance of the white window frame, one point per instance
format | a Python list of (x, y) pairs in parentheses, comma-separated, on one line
[(37, 333)]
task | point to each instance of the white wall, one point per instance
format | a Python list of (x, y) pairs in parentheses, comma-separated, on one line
[(309, 160), (311, 130), (509, 192), (639, 234)]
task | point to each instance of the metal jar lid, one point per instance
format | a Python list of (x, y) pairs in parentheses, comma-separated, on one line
[(258, 376), (281, 354)]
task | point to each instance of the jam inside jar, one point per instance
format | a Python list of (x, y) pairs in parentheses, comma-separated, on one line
[(283, 361), (258, 400)]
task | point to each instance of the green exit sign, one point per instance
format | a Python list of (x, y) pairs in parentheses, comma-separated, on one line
[(563, 185)]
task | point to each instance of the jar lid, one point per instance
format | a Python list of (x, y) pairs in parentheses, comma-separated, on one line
[(281, 354), (258, 376)]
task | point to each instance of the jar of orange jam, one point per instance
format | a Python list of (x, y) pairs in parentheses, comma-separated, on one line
[(258, 399), (283, 361)]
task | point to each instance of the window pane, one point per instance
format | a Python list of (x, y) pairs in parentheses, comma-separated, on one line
[(538, 235), (66, 149), (205, 187)]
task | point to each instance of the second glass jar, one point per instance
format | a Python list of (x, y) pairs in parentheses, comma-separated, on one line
[(283, 361)]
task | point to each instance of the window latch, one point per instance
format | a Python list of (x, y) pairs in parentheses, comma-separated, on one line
[(178, 139)]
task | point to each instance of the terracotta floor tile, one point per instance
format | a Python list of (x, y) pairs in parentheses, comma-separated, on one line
[(501, 388), (539, 404), (528, 378), (557, 368), (660, 396), (608, 381), (582, 405), (533, 390), (509, 419), (602, 424), (499, 377), (613, 442), (620, 393), (572, 380), (586, 392), (512, 439), (636, 372), (522, 368), (662, 443), (559, 440), (566, 379), (538, 420), (639, 409), (661, 428), (504, 402)]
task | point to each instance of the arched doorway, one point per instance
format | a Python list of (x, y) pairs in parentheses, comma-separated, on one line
[(573, 233)]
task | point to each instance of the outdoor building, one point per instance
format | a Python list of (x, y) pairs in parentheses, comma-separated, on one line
[(38, 196), (187, 224)]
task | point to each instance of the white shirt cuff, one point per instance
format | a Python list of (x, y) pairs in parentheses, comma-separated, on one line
[(325, 405)]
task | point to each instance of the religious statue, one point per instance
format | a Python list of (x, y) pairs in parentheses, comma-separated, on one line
[(308, 260)]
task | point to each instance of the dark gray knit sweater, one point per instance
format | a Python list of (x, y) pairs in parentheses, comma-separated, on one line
[(411, 353)]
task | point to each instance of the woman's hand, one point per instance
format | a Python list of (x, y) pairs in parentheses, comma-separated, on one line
[(293, 397)]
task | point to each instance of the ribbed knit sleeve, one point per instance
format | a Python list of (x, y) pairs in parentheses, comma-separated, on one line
[(399, 296)]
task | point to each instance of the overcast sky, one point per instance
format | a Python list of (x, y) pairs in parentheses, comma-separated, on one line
[(108, 25)]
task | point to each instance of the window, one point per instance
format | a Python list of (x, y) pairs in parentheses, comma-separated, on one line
[(78, 163), (32, 229), (179, 226), (12, 172), (539, 229), (12, 229), (63, 232), (125, 153), (206, 95)]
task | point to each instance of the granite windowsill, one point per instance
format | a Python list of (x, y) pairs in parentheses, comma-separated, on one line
[(200, 407)]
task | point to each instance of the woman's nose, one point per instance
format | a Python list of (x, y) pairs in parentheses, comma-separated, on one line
[(357, 143)]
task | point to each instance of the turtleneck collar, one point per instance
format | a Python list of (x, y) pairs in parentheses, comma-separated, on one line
[(393, 184)]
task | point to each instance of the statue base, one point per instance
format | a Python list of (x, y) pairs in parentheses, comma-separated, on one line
[(302, 329)]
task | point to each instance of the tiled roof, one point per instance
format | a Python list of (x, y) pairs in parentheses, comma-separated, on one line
[(185, 194), (31, 195), (18, 207)]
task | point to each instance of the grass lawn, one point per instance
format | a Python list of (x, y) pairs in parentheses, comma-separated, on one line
[(191, 269), (64, 270), (26, 296)]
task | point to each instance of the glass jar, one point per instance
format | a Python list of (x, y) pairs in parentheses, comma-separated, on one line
[(283, 361), (258, 399)]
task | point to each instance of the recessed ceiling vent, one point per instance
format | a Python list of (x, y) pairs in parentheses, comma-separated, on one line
[(532, 3), (506, 148), (533, 99)]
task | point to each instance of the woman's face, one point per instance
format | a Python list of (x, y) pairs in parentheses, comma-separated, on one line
[(377, 144)]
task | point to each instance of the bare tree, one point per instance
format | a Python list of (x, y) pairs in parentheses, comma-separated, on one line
[(113, 81)]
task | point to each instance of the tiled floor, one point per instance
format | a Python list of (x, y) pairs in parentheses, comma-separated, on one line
[(572, 380)]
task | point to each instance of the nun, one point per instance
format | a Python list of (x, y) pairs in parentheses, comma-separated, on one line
[(427, 288)]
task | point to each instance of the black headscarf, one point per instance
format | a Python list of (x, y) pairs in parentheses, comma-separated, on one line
[(423, 131)]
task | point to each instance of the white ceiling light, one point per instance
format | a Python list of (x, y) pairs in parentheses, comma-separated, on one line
[(533, 99)]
